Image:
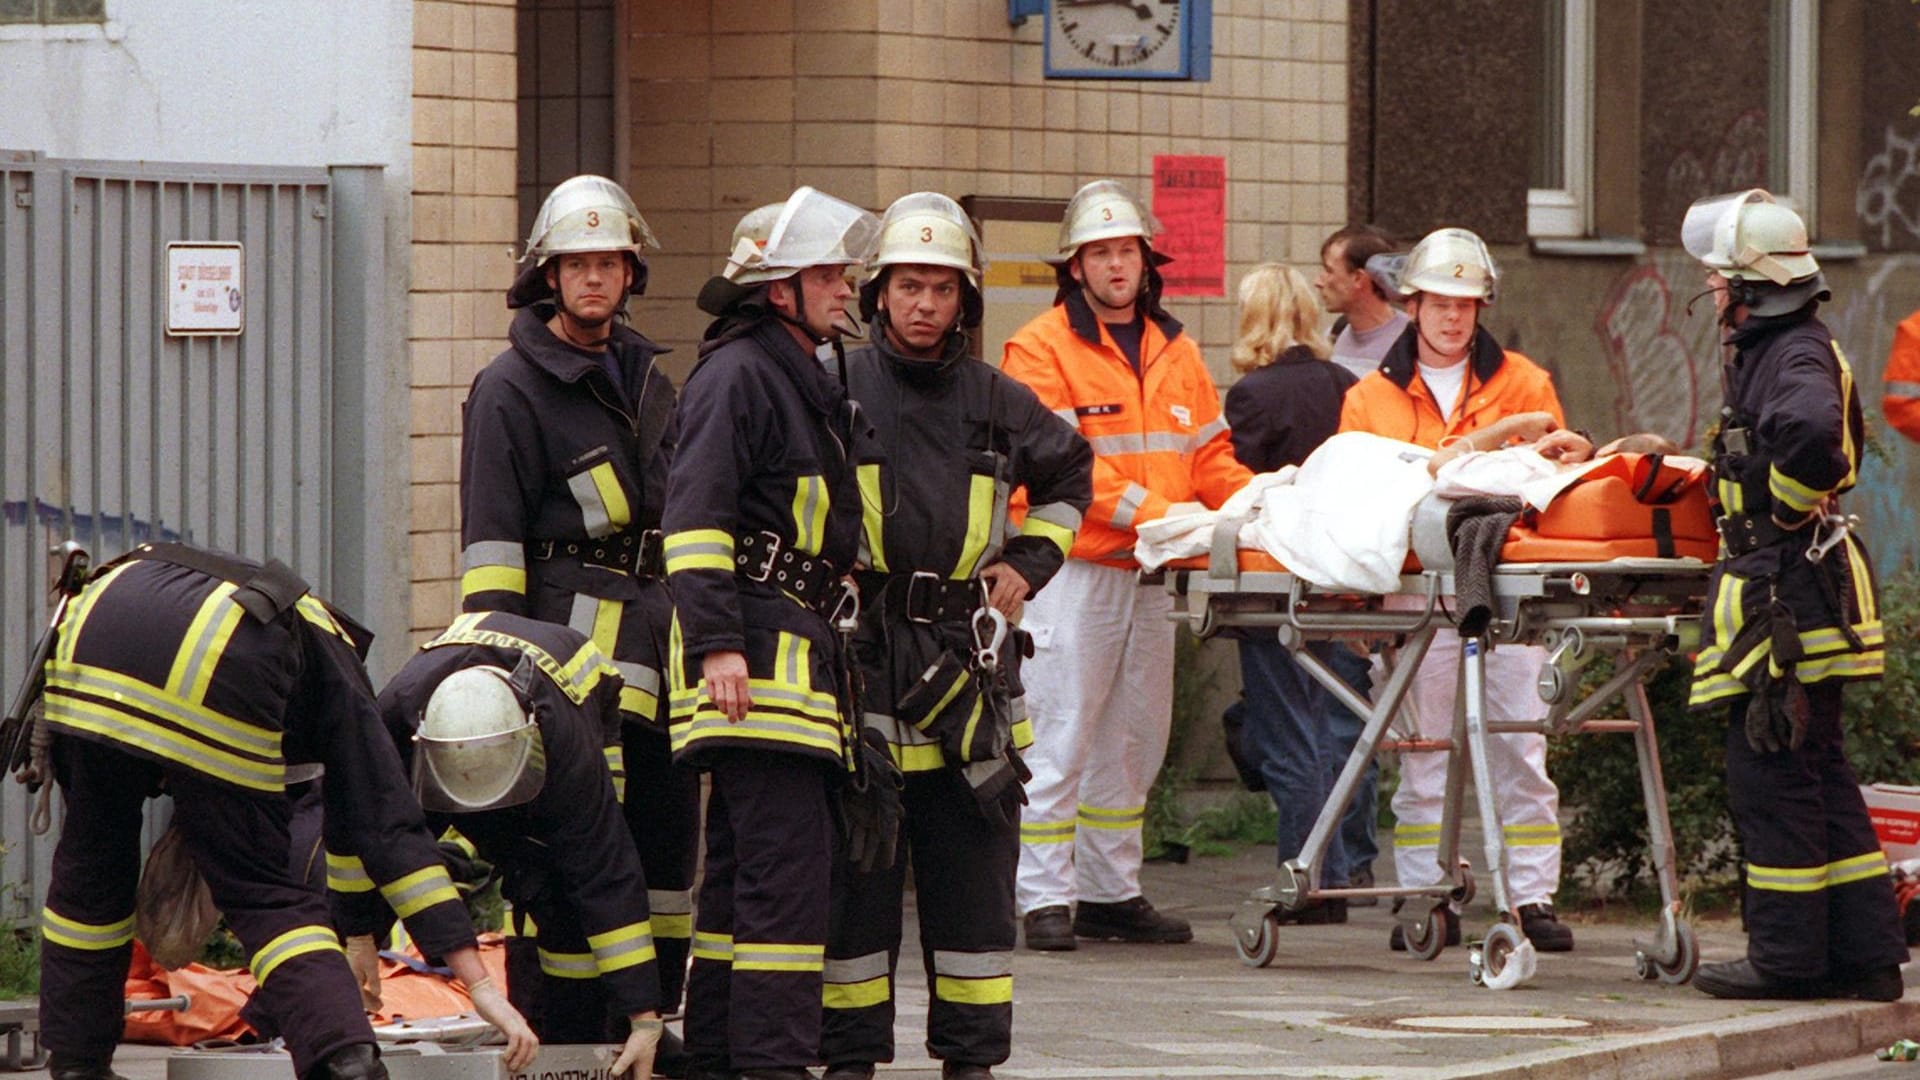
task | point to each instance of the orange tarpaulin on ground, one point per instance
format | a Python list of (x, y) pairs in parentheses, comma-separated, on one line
[(218, 996)]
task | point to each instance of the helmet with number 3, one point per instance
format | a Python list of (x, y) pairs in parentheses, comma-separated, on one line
[(926, 228), (586, 213), (1104, 210), (1451, 262)]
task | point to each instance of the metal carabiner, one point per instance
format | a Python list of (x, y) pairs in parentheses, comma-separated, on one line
[(846, 611), (1828, 533), (989, 633)]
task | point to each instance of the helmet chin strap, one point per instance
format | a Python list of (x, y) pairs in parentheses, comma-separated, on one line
[(568, 320), (1436, 349)]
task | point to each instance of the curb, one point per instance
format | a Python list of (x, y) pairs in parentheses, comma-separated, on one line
[(1744, 1046)]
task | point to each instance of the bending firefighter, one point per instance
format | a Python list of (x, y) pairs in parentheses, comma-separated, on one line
[(210, 678), (567, 439), (1792, 615), (938, 661), (762, 522)]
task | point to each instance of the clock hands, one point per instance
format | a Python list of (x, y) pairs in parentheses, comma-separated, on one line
[(1140, 11)]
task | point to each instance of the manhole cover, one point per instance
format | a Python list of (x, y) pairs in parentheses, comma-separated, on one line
[(1493, 1023)]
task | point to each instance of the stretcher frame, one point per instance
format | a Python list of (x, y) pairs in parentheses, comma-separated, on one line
[(1638, 611)]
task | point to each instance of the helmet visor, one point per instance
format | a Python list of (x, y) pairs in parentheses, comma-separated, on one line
[(816, 229), (1707, 230), (489, 772)]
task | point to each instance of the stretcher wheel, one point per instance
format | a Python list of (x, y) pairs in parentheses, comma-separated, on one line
[(1426, 937), (1503, 960), (1462, 893), (1265, 945), (1684, 965)]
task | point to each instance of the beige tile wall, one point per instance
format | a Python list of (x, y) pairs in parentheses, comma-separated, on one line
[(464, 88), (734, 102)]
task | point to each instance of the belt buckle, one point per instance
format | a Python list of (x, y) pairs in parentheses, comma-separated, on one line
[(921, 613), (652, 557), (543, 549), (765, 570)]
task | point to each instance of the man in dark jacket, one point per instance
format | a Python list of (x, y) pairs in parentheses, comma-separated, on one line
[(211, 678), (1791, 616), (762, 523), (955, 438), (508, 725), (567, 439)]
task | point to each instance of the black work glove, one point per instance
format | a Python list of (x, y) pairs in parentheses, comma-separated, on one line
[(999, 789), (1777, 716), (870, 804)]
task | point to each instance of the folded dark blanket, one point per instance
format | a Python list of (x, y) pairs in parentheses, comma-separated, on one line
[(1476, 528)]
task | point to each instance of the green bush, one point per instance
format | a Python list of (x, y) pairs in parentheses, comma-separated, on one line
[(1606, 851)]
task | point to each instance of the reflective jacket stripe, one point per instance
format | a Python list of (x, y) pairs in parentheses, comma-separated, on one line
[(493, 566), (616, 758), (347, 874), (980, 492), (621, 948), (81, 608), (567, 965), (577, 678), (873, 514), (419, 891), (672, 912), (603, 505), (92, 937), (778, 956), (711, 946), (1792, 492), (1055, 521), (205, 640), (1130, 502), (810, 505), (296, 942), (156, 729), (699, 549)]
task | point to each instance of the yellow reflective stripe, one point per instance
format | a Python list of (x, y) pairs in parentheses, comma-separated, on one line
[(567, 965), (82, 607), (711, 946), (1787, 878), (809, 513), (347, 874), (1859, 665), (1022, 733), (511, 579), (918, 757), (419, 891), (452, 836), (1847, 449), (298, 941), (611, 494), (1529, 835), (995, 991), (1832, 637), (577, 678), (1790, 491), (698, 549), (857, 995), (972, 727), (1408, 834), (1863, 590), (316, 613), (1859, 868), (979, 525), (1061, 536), (217, 745), (200, 648), (672, 913), (1047, 832), (872, 514), (778, 956), (1112, 817), (606, 624), (622, 948), (92, 937)]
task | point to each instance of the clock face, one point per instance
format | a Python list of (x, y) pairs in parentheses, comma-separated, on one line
[(1116, 37)]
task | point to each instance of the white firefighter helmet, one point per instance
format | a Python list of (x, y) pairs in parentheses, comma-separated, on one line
[(928, 229), (754, 227), (1748, 236), (587, 213), (1104, 210), (478, 747), (812, 229), (1450, 262)]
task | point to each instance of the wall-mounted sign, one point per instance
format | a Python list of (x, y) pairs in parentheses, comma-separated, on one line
[(203, 290), (1190, 199)]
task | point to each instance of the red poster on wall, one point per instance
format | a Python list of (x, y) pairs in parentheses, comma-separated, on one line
[(1190, 199)]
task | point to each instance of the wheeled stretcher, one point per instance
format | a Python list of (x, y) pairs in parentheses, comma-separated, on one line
[(1637, 610)]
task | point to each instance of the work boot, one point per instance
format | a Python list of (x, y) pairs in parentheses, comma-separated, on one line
[(1397, 941), (964, 1070), (670, 1056), (1050, 929), (1129, 920), (849, 1070), (360, 1061), (1547, 933), (1740, 980), (66, 1068), (1361, 877), (1878, 984)]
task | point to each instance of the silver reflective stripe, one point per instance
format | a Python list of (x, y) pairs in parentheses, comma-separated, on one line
[(973, 965), (1895, 388), (593, 509), (585, 610), (1069, 416), (1207, 432), (493, 553), (856, 969), (1130, 503), (214, 611), (1140, 444), (605, 955), (568, 965), (753, 954), (639, 677), (894, 731), (1057, 513), (670, 901)]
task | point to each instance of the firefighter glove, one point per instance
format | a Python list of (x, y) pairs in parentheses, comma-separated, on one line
[(870, 804), (1777, 716), (363, 956)]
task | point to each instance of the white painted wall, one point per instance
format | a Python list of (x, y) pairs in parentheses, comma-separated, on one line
[(254, 82)]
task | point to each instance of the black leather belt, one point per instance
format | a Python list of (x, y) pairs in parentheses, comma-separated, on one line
[(810, 579), (1742, 533), (633, 551), (924, 597)]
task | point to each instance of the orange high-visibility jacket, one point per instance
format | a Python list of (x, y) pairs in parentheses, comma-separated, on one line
[(1395, 403), (1158, 437), (1902, 401)]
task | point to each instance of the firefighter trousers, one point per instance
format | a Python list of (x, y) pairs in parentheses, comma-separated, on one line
[(240, 844), (963, 867), (551, 976), (759, 941), (1819, 902)]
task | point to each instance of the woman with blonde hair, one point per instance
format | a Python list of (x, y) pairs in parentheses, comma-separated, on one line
[(1292, 732)]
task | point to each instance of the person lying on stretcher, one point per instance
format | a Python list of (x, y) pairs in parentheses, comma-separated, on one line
[(1542, 434)]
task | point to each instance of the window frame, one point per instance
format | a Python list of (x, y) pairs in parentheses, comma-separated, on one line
[(1566, 212)]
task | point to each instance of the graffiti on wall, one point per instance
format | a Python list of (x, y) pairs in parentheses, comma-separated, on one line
[(1738, 160), (1888, 198)]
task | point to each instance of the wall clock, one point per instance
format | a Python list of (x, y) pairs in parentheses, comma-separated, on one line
[(1129, 39)]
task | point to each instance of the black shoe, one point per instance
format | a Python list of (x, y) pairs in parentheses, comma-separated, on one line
[(670, 1056), (964, 1070), (1129, 920), (1361, 877), (359, 1061), (1738, 979), (1316, 913), (59, 1068), (1050, 929), (1879, 984), (1397, 941), (1547, 933), (849, 1070)]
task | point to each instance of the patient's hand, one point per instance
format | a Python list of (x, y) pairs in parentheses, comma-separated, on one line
[(1564, 446), (1525, 427)]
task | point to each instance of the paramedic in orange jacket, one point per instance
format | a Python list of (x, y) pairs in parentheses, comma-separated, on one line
[(1110, 361), (1902, 386), (1445, 379)]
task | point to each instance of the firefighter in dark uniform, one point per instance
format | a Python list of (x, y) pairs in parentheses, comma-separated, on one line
[(509, 727), (956, 439), (762, 522), (1791, 617), (567, 439), (207, 676)]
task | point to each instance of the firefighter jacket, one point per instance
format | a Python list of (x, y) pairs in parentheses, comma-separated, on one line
[(1902, 401), (1790, 441), (954, 438), (765, 454), (570, 841), (1158, 436), (1395, 402), (1282, 412), (563, 472), (175, 665)]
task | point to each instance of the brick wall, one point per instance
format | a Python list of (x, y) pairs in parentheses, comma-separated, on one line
[(464, 90)]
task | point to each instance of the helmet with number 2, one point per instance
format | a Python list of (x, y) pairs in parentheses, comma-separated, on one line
[(1451, 262)]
